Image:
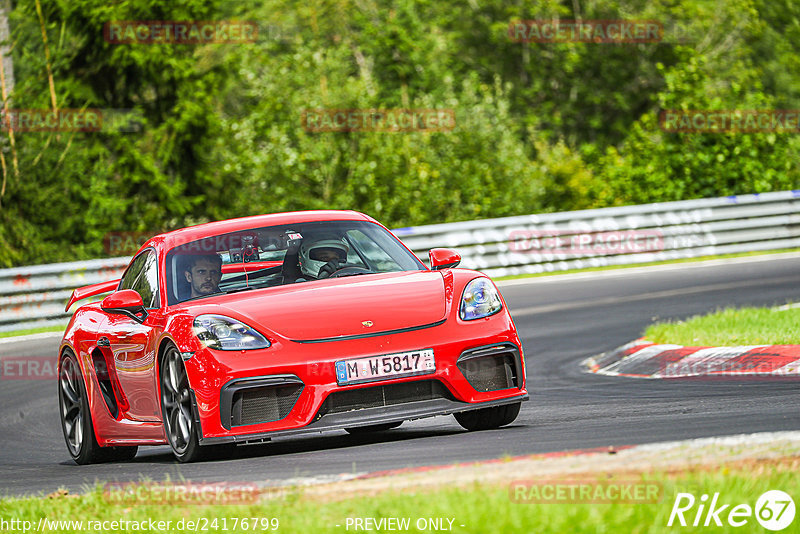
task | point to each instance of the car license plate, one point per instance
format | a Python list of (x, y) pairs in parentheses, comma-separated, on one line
[(418, 362)]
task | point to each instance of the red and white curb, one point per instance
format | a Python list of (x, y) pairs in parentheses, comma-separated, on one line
[(645, 359)]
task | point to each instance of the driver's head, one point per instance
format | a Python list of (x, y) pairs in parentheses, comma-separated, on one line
[(315, 253), (203, 274)]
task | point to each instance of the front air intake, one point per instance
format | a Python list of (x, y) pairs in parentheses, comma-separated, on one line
[(383, 395), (263, 405), (259, 400), (491, 368)]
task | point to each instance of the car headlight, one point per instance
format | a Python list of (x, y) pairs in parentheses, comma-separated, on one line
[(480, 299), (223, 333)]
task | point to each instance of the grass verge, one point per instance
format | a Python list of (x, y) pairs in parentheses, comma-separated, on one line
[(731, 326), (479, 508), (29, 331)]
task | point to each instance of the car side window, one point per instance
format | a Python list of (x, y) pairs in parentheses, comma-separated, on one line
[(142, 277)]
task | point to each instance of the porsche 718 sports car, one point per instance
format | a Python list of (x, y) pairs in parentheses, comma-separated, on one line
[(242, 330)]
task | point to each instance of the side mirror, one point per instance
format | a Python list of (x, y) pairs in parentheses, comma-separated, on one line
[(126, 302), (443, 258)]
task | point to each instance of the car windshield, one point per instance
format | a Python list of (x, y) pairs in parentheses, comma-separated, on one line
[(285, 254)]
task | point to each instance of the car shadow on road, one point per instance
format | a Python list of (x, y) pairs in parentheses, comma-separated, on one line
[(324, 442)]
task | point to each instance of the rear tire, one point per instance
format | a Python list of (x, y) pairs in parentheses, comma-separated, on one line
[(488, 418), (76, 419), (372, 428)]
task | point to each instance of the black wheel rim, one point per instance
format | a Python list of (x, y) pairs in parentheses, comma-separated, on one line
[(175, 401), (69, 392)]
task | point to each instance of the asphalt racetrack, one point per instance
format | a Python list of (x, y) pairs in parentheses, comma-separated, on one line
[(561, 320)]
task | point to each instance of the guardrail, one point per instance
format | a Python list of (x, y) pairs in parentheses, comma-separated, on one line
[(35, 296)]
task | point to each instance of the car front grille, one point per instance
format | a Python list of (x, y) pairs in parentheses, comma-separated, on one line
[(263, 404), (383, 395)]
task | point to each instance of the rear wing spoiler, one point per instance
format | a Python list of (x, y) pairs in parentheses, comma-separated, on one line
[(90, 291)]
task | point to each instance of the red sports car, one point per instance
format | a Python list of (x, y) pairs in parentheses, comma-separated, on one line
[(237, 331)]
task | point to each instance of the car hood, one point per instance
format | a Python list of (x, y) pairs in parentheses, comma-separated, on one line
[(364, 304)]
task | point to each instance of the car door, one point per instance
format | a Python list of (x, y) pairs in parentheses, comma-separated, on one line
[(132, 342)]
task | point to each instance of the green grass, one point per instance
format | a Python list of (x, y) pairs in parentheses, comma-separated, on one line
[(480, 508), (731, 326), (648, 264), (26, 332)]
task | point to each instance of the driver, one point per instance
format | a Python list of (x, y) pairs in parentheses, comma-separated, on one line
[(323, 257), (203, 274)]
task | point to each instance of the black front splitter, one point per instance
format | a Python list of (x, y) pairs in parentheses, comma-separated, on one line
[(368, 417)]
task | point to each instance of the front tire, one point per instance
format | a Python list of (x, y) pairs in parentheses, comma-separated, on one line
[(176, 407), (183, 432), (76, 419), (488, 418)]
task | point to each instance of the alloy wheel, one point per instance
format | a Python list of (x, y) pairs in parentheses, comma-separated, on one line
[(176, 401), (72, 415)]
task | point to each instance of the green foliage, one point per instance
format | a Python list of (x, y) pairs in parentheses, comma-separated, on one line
[(539, 126), (731, 326)]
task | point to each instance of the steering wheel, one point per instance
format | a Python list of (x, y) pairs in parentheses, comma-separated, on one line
[(351, 270)]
